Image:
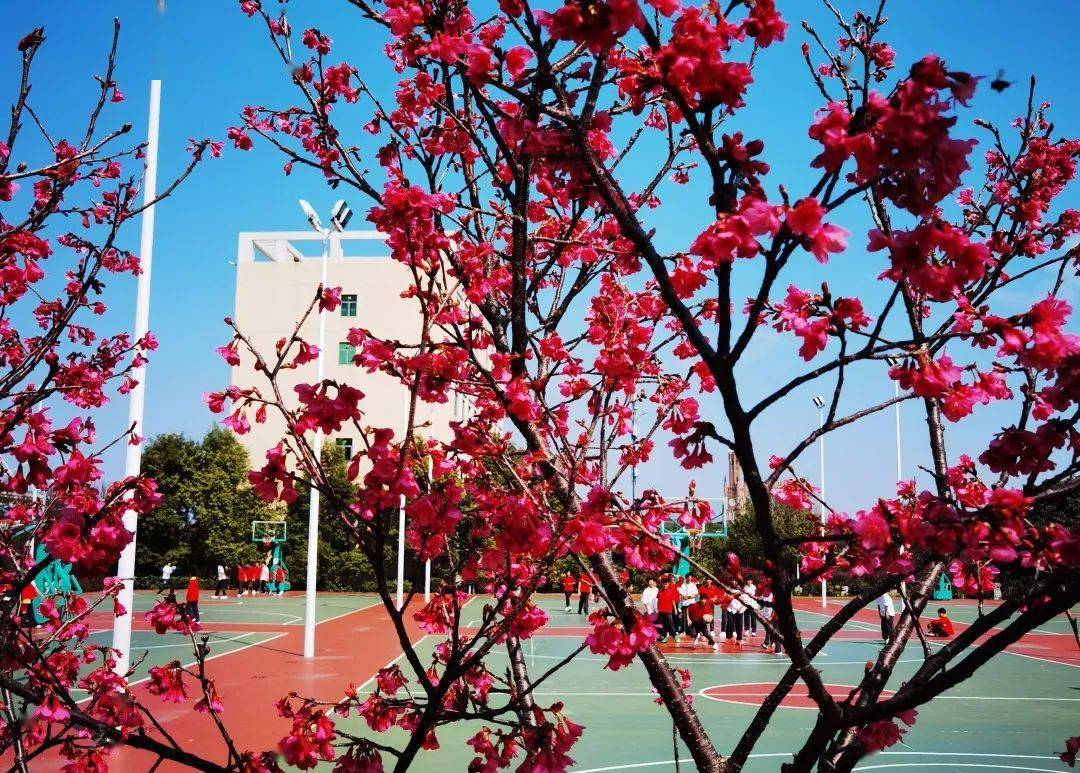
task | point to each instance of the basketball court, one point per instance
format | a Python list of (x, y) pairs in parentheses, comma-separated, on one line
[(1013, 715)]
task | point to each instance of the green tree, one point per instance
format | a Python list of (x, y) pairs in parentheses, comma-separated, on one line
[(207, 506), (163, 534), (342, 566), (225, 504)]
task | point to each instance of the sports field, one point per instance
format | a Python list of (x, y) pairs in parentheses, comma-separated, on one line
[(1014, 715)]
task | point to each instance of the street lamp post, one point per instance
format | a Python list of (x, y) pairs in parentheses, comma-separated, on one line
[(339, 218), (819, 402)]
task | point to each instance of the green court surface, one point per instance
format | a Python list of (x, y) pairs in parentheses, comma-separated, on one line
[(1013, 715)]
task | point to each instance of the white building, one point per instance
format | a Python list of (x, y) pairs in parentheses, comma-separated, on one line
[(277, 274)]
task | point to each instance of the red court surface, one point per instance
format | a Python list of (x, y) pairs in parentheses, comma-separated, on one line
[(350, 649)]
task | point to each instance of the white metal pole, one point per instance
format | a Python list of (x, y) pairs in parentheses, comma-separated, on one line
[(899, 462), (125, 569), (427, 564), (821, 465), (313, 503), (401, 554)]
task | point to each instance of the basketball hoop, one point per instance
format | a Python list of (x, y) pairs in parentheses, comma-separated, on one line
[(267, 542)]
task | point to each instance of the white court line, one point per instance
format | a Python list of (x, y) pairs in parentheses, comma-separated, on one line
[(187, 643), (377, 603), (855, 623), (274, 637), (950, 765), (1044, 660), (211, 657), (658, 763)]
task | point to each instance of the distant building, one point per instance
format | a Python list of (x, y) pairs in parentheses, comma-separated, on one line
[(275, 282), (735, 492)]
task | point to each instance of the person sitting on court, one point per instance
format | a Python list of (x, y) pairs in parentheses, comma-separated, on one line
[(667, 600), (941, 625), (279, 578), (700, 620)]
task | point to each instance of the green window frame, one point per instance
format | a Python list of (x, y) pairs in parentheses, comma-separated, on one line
[(346, 446), (348, 305), (345, 353)]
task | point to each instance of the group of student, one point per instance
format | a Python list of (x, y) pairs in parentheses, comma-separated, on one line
[(252, 579), (685, 606), (679, 607)]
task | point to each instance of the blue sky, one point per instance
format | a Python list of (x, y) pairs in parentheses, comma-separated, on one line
[(214, 60)]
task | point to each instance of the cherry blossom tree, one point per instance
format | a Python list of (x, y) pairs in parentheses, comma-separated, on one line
[(66, 197), (497, 171), (499, 176)]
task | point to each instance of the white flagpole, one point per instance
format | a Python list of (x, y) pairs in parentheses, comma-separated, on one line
[(133, 457)]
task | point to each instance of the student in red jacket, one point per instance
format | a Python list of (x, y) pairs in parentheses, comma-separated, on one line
[(700, 616), (584, 587), (941, 625), (191, 608), (279, 579), (709, 593), (26, 606), (568, 585), (666, 603)]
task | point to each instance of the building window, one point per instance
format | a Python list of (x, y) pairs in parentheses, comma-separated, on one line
[(345, 353), (348, 305), (345, 444)]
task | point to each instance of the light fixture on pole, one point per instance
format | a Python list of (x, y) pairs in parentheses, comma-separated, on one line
[(125, 568), (339, 218), (819, 402)]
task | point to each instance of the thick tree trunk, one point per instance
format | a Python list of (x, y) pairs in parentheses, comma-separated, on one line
[(667, 685)]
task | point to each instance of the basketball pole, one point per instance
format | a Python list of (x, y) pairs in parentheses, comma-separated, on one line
[(125, 569), (313, 499)]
